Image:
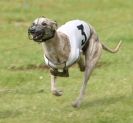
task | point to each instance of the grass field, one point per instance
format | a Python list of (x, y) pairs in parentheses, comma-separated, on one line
[(25, 90)]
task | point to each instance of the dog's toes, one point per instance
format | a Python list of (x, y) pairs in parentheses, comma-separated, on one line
[(57, 92), (76, 104)]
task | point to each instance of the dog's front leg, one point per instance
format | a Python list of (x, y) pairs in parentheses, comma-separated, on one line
[(54, 89)]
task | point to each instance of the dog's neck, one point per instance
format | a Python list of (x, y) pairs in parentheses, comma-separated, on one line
[(50, 37), (57, 49)]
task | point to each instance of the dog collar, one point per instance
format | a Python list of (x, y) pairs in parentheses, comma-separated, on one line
[(53, 65)]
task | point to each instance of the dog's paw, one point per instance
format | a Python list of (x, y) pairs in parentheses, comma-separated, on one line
[(57, 92)]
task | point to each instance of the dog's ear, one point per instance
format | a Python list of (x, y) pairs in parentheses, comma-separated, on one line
[(54, 25)]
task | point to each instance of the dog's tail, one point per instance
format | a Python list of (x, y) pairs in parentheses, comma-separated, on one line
[(115, 50)]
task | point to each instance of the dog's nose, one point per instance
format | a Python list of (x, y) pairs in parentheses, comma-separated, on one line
[(31, 30)]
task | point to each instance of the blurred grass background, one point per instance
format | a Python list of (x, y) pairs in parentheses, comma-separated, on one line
[(25, 93)]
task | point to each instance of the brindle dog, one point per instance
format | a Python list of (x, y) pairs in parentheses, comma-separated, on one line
[(58, 45)]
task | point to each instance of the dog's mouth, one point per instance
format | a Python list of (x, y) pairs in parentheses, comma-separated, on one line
[(40, 35), (36, 36)]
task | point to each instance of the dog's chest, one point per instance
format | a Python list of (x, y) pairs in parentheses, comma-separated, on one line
[(56, 58)]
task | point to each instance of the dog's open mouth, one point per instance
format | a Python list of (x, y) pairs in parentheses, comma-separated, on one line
[(36, 33), (36, 36), (40, 34)]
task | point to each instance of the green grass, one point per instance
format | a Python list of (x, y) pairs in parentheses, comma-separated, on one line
[(25, 93)]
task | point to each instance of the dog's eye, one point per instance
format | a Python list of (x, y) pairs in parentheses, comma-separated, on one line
[(33, 24), (44, 24)]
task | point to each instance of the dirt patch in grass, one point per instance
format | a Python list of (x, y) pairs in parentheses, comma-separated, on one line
[(45, 67), (28, 67)]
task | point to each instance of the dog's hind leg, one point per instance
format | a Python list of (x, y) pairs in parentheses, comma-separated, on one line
[(91, 57), (81, 63), (54, 89)]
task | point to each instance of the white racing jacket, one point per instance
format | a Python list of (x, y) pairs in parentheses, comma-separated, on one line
[(78, 33)]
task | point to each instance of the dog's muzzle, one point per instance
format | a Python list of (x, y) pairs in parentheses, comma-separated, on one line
[(36, 33), (40, 34)]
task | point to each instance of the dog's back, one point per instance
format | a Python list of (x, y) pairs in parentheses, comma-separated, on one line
[(77, 31)]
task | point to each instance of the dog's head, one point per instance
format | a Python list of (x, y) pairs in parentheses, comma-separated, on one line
[(42, 29)]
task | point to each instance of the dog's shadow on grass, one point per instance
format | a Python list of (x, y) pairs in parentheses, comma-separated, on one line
[(106, 101)]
